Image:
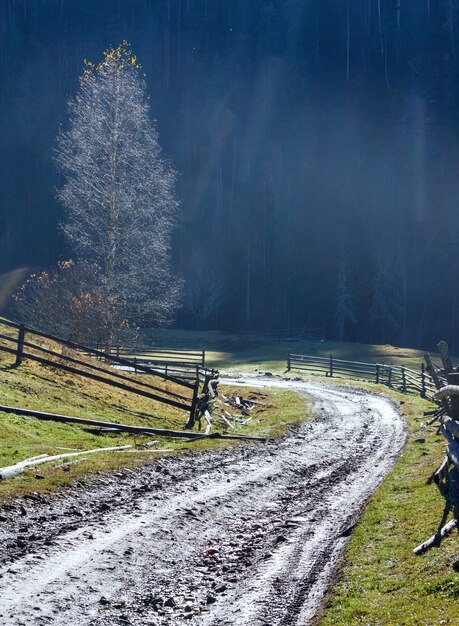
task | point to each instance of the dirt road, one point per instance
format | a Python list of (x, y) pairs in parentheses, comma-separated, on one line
[(245, 536)]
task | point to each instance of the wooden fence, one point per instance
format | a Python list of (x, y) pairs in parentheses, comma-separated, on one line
[(26, 343), (180, 363), (165, 356), (446, 381), (399, 377)]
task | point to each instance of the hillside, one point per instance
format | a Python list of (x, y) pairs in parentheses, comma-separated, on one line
[(49, 389)]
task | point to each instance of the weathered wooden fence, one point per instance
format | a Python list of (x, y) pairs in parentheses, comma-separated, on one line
[(152, 355), (181, 363), (446, 381), (26, 343), (397, 376)]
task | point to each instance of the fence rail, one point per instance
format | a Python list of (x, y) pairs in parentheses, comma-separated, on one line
[(26, 345), (396, 376), (151, 355), (183, 364)]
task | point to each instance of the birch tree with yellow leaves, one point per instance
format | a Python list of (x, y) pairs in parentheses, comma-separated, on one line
[(118, 192)]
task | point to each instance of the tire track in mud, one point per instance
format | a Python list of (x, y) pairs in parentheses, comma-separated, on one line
[(250, 536)]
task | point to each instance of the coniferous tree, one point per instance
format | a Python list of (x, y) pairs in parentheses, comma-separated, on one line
[(386, 315), (345, 306)]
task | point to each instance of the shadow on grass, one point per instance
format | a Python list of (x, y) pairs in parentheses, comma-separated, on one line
[(447, 489), (7, 368), (123, 409)]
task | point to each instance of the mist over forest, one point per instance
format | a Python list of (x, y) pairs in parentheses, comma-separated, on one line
[(316, 146)]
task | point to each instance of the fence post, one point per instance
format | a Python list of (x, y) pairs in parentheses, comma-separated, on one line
[(118, 351), (289, 362), (403, 380), (389, 378), (135, 365), (203, 358), (207, 379), (377, 374), (331, 366), (194, 402), (20, 349), (423, 380)]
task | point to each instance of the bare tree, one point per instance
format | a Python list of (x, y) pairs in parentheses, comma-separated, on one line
[(119, 191), (63, 301)]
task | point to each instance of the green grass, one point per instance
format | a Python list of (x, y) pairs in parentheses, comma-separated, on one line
[(228, 351), (43, 388), (382, 582)]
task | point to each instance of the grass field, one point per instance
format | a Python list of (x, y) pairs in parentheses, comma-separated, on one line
[(230, 352), (381, 581)]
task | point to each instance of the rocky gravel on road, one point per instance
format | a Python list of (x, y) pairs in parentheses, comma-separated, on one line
[(248, 535)]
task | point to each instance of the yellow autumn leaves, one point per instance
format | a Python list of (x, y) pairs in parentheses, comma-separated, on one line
[(115, 60)]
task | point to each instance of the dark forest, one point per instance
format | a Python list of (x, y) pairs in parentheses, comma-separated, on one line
[(316, 146)]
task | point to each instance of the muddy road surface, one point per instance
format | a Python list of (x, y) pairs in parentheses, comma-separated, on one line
[(248, 536)]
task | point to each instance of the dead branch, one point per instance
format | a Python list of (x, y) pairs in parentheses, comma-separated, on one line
[(436, 539), (18, 468)]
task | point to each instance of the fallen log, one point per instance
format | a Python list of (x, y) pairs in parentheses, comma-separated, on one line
[(435, 418), (213, 392), (122, 427), (67, 465), (257, 402), (436, 539), (445, 392), (18, 468), (226, 421), (208, 422)]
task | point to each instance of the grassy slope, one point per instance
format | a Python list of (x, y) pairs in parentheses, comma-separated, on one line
[(48, 389), (381, 581)]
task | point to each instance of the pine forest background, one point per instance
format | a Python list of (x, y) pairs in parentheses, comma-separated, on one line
[(317, 146)]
